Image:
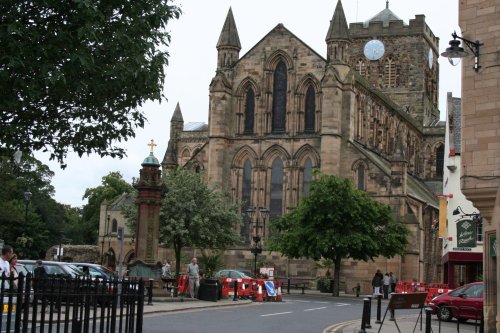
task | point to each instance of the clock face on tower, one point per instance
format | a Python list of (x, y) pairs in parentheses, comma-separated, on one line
[(374, 49), (431, 58)]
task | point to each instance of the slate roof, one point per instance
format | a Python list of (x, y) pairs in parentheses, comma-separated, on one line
[(384, 16)]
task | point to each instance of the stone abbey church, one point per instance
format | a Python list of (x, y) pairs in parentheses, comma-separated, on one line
[(368, 111)]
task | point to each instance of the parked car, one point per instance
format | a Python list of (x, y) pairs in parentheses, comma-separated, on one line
[(465, 302), (235, 274), (96, 270), (57, 268)]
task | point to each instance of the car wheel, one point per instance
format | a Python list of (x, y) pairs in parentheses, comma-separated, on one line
[(444, 313)]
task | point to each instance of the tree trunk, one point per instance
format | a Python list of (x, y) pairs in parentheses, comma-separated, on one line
[(336, 276)]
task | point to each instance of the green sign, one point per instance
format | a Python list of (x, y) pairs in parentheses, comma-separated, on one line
[(493, 245), (466, 233)]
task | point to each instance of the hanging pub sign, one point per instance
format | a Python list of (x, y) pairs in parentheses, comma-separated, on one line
[(466, 233)]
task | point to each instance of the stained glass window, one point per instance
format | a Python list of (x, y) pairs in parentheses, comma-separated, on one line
[(246, 197), (276, 208), (310, 109), (249, 111), (307, 176), (279, 98)]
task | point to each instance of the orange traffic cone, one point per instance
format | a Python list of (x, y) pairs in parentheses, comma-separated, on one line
[(279, 298), (259, 295)]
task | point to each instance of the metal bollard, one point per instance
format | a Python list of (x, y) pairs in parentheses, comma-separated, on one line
[(379, 309), (150, 292), (369, 314), (235, 298), (288, 287), (366, 301), (428, 316)]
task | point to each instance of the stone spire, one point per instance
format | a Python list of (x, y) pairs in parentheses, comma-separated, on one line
[(176, 127), (229, 43), (337, 38)]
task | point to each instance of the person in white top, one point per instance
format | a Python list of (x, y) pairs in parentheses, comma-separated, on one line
[(7, 252), (387, 283)]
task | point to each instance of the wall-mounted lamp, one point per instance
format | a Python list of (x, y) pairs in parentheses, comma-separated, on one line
[(455, 51), (452, 168)]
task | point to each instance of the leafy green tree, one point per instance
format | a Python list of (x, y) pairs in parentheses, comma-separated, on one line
[(33, 225), (336, 221), (194, 215), (73, 73), (112, 186)]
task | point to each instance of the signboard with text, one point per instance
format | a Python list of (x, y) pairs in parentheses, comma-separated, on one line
[(466, 233)]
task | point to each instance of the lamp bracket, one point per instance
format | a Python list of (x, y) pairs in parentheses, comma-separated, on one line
[(473, 47)]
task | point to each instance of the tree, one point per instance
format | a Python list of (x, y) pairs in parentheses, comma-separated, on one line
[(73, 73), (112, 186), (194, 215), (336, 221), (33, 225)]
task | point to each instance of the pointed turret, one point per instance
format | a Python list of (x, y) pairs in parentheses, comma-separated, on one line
[(176, 126), (229, 43), (337, 38)]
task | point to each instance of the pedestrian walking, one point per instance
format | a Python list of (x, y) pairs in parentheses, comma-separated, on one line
[(7, 253), (193, 271), (394, 281), (387, 284), (377, 282), (13, 269), (166, 273)]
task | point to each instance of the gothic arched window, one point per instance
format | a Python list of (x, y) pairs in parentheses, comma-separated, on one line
[(310, 109), (246, 197), (276, 206), (249, 111), (360, 175), (114, 226), (390, 73), (307, 176), (439, 161), (279, 98)]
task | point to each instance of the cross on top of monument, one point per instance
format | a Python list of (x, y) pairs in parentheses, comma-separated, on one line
[(152, 145)]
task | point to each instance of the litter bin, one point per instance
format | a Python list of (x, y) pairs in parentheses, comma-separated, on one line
[(209, 290)]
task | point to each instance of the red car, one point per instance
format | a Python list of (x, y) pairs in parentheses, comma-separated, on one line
[(463, 303)]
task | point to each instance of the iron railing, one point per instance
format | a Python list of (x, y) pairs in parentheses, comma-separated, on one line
[(77, 305)]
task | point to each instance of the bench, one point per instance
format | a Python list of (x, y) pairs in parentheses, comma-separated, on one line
[(302, 284)]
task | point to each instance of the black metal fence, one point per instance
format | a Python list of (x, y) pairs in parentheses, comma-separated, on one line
[(77, 305)]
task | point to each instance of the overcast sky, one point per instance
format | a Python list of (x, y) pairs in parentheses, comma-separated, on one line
[(192, 65)]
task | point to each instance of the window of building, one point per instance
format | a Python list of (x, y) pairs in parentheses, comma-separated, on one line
[(310, 109), (361, 66), (360, 173), (439, 161), (276, 205), (246, 198), (114, 226), (279, 98), (390, 73), (307, 176), (479, 232), (249, 111)]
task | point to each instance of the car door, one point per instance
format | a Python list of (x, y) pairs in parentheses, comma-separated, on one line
[(470, 302)]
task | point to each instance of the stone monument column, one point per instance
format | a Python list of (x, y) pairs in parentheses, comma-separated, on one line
[(149, 187)]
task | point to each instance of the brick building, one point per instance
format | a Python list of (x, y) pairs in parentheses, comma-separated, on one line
[(480, 169), (367, 111)]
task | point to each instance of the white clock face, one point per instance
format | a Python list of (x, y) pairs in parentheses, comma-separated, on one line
[(431, 58), (374, 49)]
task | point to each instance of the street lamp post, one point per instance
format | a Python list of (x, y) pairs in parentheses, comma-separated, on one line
[(27, 197), (260, 213)]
